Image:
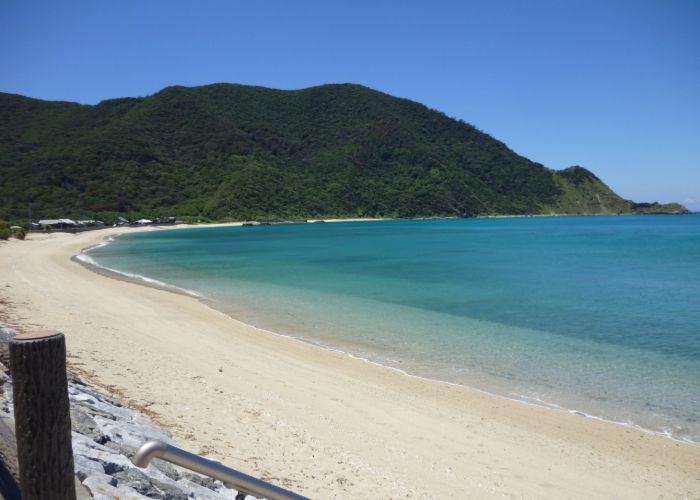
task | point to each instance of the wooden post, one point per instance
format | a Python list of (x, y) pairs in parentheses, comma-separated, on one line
[(42, 416)]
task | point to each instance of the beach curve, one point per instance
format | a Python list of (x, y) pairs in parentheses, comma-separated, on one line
[(315, 420)]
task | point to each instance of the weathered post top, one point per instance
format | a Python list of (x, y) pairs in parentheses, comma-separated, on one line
[(37, 335)]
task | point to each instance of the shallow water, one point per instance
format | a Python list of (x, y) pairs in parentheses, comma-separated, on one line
[(595, 314)]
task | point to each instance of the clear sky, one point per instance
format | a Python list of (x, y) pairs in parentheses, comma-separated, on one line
[(612, 85)]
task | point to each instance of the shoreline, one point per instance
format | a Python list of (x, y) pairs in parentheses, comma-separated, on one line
[(327, 422), (146, 281)]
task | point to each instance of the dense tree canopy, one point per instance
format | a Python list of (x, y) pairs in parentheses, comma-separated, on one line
[(239, 152)]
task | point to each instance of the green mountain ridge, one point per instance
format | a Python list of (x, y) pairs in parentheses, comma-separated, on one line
[(228, 151)]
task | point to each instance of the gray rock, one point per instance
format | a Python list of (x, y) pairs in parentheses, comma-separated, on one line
[(111, 460), (204, 481), (168, 469), (95, 403), (128, 433), (78, 385), (148, 486), (85, 467), (104, 487), (127, 451), (85, 425)]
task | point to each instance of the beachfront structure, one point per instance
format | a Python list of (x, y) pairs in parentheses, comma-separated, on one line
[(91, 222), (165, 220), (143, 222), (58, 223)]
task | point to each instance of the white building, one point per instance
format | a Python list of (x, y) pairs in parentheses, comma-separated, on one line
[(58, 223)]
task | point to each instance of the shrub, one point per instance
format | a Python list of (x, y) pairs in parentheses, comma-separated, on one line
[(19, 233), (4, 232)]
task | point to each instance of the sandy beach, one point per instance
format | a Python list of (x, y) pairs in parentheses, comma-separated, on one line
[(319, 422)]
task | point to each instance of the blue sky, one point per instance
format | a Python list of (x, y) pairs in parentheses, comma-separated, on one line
[(613, 86)]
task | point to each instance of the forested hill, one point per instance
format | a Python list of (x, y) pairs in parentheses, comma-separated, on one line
[(238, 152)]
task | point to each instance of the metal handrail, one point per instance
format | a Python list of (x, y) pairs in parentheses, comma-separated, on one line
[(245, 484)]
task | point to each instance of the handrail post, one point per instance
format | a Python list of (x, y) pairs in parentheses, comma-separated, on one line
[(42, 416)]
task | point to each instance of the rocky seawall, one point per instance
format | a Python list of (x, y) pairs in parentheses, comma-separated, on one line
[(106, 433)]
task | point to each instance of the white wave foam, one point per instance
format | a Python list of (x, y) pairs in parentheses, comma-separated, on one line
[(87, 259)]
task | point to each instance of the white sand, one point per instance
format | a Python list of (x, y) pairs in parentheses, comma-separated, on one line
[(320, 422)]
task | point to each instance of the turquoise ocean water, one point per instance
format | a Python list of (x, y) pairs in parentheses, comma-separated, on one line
[(595, 314)]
